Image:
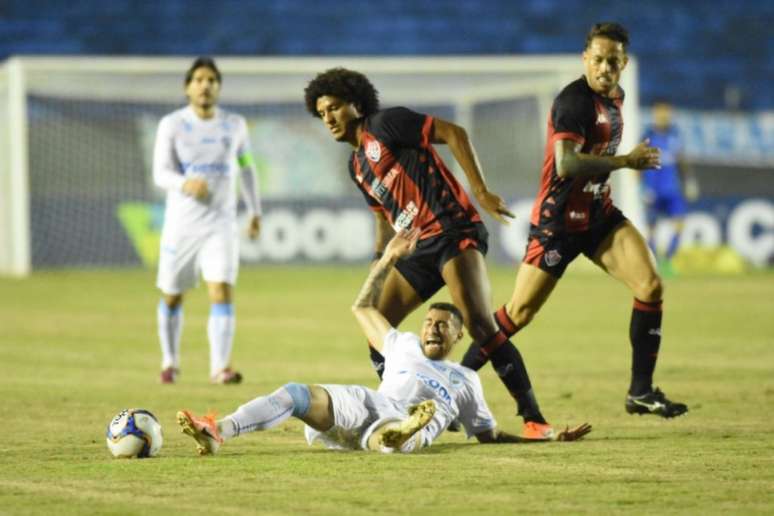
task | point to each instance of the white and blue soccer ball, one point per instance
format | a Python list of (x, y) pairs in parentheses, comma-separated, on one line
[(134, 433)]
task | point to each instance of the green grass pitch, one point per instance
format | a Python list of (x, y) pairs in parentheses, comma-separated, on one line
[(76, 347)]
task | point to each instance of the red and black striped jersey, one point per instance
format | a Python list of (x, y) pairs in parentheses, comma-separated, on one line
[(595, 122), (401, 175)]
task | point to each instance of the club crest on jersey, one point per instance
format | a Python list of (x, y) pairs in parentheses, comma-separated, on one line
[(373, 151), (456, 379), (226, 141), (602, 119), (553, 257)]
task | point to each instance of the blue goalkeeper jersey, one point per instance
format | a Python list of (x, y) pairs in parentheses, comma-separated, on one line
[(665, 181)]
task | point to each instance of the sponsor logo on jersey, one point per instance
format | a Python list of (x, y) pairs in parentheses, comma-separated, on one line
[(373, 151), (217, 168), (553, 257), (406, 216), (378, 189), (598, 190), (389, 178), (577, 215), (434, 384)]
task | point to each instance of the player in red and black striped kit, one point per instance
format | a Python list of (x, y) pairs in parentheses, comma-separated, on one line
[(407, 185), (573, 212)]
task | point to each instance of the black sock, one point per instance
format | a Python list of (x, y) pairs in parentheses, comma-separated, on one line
[(645, 336), (510, 367), (474, 358), (377, 361)]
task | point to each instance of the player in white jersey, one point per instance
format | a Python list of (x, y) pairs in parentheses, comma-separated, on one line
[(200, 152), (420, 395)]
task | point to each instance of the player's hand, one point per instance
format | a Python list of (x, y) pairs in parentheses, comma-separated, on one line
[(573, 434), (197, 188), (254, 229), (644, 157), (403, 243), (494, 205)]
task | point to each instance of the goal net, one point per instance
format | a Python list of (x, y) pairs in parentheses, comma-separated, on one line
[(76, 139)]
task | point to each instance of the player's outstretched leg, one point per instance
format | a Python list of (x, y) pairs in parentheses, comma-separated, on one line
[(203, 429), (392, 436)]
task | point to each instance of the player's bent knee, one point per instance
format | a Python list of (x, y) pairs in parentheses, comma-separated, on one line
[(481, 326), (301, 396), (650, 290), (173, 300)]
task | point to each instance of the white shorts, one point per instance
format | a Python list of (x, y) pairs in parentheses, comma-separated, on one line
[(357, 411), (214, 255)]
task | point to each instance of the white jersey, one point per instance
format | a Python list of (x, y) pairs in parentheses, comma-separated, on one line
[(410, 377), (187, 147)]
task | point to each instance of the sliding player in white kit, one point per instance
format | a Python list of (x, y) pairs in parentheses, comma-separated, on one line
[(420, 395), (200, 149)]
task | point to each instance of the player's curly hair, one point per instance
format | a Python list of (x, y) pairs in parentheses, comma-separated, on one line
[(610, 30), (348, 85)]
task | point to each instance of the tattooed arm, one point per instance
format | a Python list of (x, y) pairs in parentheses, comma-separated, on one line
[(373, 323)]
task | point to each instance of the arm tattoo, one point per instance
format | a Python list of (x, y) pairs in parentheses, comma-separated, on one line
[(372, 288)]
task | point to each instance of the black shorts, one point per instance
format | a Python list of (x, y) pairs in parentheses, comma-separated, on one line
[(422, 269), (555, 251)]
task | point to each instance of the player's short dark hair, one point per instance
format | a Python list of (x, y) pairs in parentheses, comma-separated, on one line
[(202, 62), (610, 30), (348, 85), (448, 307)]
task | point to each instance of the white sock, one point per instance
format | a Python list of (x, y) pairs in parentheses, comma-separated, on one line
[(170, 327), (220, 329), (266, 412)]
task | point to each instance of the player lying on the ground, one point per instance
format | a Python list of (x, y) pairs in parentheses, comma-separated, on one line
[(407, 185), (420, 394)]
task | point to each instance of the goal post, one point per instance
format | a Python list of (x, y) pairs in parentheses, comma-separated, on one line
[(76, 137)]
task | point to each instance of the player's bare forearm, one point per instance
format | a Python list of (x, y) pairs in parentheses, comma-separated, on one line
[(588, 165), (401, 244), (570, 162), (374, 325), (496, 436), (499, 437), (460, 146), (462, 149), (374, 283)]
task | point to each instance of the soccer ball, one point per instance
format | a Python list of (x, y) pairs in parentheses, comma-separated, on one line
[(134, 433)]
